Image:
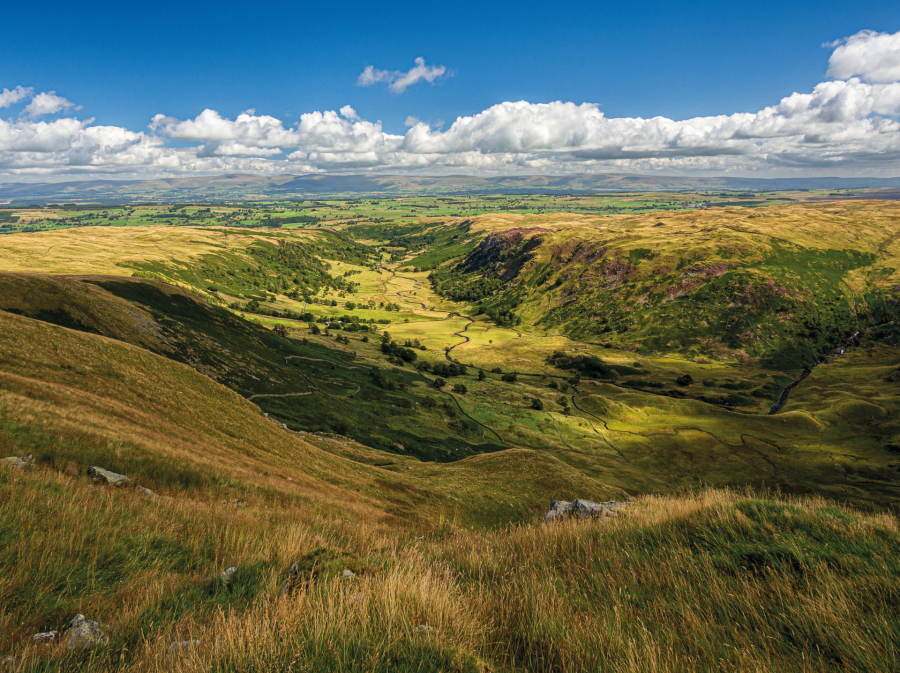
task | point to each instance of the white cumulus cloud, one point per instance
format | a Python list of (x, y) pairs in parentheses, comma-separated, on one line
[(875, 57), (11, 97), (845, 126), (47, 103), (399, 81)]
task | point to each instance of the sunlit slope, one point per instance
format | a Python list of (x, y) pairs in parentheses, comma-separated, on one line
[(635, 439), (82, 398), (309, 386), (219, 264), (708, 581), (779, 285), (75, 399)]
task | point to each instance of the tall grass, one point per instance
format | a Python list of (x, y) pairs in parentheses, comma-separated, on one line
[(711, 581)]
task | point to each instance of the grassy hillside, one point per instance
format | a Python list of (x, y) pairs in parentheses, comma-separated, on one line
[(642, 439), (715, 581), (308, 386), (218, 264), (779, 286)]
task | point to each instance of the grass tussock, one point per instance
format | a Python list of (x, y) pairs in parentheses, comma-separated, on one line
[(717, 580)]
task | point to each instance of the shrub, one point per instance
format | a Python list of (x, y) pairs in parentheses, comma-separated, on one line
[(509, 378), (460, 389)]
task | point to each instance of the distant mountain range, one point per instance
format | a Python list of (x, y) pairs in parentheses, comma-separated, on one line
[(239, 187)]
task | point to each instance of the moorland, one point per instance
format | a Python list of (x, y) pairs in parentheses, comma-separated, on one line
[(398, 387)]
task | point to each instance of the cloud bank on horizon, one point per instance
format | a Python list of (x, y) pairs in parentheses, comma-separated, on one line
[(845, 126)]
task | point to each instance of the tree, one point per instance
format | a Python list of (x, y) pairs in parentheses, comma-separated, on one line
[(314, 328), (481, 375), (537, 405), (509, 378), (439, 382), (684, 380), (460, 389), (280, 330)]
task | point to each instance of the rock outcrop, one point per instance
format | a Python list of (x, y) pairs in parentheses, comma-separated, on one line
[(84, 634), (20, 462), (293, 576), (47, 638), (560, 510), (227, 577), (101, 476)]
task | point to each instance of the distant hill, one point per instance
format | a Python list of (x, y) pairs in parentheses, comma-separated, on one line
[(236, 186)]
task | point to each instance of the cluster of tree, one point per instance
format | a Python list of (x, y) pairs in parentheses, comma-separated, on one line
[(446, 369), (293, 219), (414, 241), (391, 349), (504, 317), (591, 366), (380, 379), (458, 286)]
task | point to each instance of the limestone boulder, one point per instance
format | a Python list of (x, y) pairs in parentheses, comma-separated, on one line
[(227, 577), (84, 634), (101, 476), (19, 462)]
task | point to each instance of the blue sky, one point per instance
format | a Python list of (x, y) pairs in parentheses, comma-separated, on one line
[(124, 63)]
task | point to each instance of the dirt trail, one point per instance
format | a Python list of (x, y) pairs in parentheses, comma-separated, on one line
[(301, 357), (253, 397)]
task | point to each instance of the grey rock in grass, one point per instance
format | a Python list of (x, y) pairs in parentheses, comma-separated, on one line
[(101, 476), (84, 634), (426, 628), (349, 574), (227, 577), (560, 510), (47, 638), (291, 579), (145, 491), (8, 661), (181, 646), (19, 462), (587, 508)]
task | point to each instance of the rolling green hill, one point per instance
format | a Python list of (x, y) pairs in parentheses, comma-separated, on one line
[(780, 287), (305, 385)]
